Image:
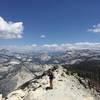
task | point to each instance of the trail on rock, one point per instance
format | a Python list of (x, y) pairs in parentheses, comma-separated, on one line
[(65, 88)]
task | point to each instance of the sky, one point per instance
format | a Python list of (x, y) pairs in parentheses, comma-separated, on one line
[(27, 22)]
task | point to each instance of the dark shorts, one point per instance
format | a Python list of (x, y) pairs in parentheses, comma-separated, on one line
[(51, 78)]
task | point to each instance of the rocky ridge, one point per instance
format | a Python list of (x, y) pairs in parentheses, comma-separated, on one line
[(66, 87)]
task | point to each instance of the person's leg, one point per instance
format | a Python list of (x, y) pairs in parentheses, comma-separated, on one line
[(51, 83)]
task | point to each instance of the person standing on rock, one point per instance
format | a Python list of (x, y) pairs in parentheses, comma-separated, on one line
[(51, 77)]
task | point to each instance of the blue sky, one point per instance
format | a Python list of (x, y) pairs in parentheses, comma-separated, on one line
[(50, 21)]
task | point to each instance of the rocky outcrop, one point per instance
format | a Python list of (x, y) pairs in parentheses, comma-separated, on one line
[(14, 79), (66, 87), (16, 95)]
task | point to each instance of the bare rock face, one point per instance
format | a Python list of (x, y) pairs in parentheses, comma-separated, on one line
[(0, 96), (16, 95), (37, 95), (64, 87), (30, 96), (15, 79)]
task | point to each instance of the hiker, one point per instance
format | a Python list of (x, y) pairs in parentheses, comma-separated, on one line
[(51, 77)]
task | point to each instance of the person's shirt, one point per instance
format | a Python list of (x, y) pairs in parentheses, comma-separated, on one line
[(51, 75)]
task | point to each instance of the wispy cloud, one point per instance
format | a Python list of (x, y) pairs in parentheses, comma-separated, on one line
[(55, 47), (42, 36), (10, 30), (95, 28)]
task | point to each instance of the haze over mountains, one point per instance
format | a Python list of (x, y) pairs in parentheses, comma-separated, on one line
[(52, 47), (51, 54)]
